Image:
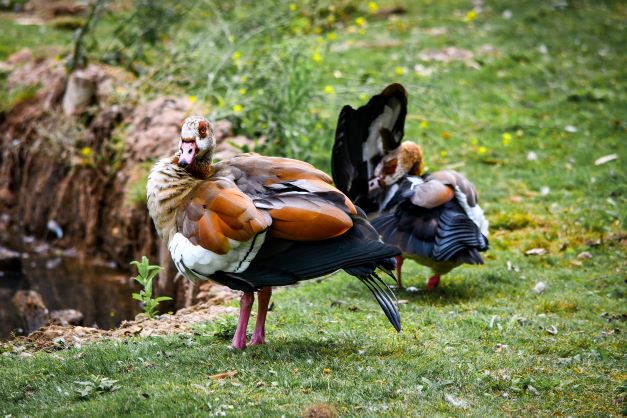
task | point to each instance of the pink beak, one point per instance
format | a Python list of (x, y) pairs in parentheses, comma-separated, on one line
[(188, 152)]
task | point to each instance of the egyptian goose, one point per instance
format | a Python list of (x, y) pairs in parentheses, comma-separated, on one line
[(254, 222), (433, 218)]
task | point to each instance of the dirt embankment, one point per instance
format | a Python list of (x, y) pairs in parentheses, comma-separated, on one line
[(82, 161)]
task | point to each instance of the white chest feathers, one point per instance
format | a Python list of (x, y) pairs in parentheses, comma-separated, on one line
[(198, 262)]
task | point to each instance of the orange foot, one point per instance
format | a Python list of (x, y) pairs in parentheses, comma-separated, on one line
[(433, 282)]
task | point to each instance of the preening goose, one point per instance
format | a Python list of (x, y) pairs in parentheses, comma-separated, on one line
[(254, 222), (434, 218)]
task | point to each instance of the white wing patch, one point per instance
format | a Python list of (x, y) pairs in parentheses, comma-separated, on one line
[(388, 196), (206, 262), (373, 145), (475, 213)]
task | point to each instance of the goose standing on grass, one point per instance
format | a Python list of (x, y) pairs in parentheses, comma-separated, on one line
[(254, 222), (433, 218)]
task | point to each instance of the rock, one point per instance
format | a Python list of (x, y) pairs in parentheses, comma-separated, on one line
[(43, 72), (31, 309), (49, 9), (80, 91), (22, 56), (67, 317), (154, 128), (222, 129), (584, 255)]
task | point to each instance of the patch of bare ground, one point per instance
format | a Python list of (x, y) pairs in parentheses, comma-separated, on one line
[(55, 336)]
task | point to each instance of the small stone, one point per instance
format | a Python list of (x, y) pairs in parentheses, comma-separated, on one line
[(585, 255), (539, 288)]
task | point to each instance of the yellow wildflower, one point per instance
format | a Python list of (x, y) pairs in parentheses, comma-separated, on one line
[(236, 56), (373, 7), (317, 30), (317, 57), (520, 133), (242, 91), (237, 108), (331, 36), (399, 70), (363, 97), (482, 150), (360, 21), (446, 135), (424, 124), (507, 138), (292, 7), (470, 16), (329, 90), (193, 99), (326, 371), (443, 153), (86, 151)]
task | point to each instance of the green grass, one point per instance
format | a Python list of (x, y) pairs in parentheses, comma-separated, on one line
[(482, 336)]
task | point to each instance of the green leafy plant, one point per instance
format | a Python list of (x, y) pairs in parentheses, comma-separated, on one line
[(95, 385), (146, 274)]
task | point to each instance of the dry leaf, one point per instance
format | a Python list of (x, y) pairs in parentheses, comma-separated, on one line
[(552, 330), (224, 375), (606, 159), (457, 402), (536, 251)]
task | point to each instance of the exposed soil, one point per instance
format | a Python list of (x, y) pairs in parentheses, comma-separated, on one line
[(54, 336)]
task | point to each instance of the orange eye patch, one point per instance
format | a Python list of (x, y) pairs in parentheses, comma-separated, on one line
[(202, 129), (390, 167)]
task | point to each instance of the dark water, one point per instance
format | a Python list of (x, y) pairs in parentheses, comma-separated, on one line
[(101, 292)]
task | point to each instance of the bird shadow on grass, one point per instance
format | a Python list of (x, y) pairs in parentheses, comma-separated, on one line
[(451, 290), (296, 348)]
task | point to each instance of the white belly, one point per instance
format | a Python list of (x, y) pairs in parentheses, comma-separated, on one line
[(205, 262)]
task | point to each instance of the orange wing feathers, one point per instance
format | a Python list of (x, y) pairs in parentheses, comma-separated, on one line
[(217, 211), (301, 219)]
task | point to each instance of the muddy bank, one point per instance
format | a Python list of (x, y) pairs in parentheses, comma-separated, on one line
[(53, 336), (81, 164)]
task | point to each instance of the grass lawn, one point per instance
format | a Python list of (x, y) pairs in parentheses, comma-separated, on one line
[(540, 97)]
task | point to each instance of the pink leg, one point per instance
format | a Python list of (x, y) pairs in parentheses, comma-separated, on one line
[(245, 306), (399, 264), (263, 299), (433, 281)]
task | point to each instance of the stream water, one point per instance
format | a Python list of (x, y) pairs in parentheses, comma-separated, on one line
[(100, 292)]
